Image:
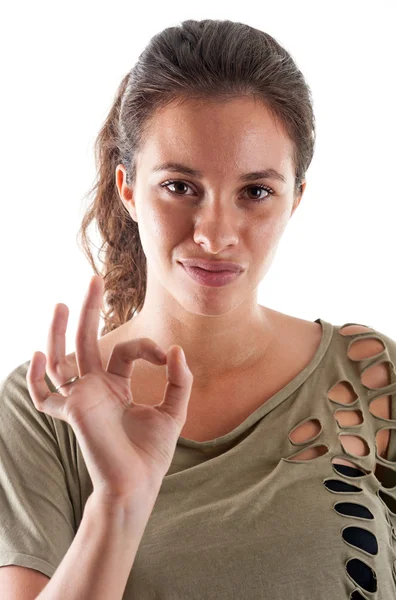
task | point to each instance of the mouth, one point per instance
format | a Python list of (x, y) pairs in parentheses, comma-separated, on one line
[(211, 278), (212, 265), (213, 270)]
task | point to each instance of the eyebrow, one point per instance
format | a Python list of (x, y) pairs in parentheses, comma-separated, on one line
[(269, 173)]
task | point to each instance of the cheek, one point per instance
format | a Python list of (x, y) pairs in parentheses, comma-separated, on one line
[(268, 230), (167, 222), (275, 224), (264, 241), (162, 226), (155, 218)]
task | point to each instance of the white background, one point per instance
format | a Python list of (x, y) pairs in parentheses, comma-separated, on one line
[(61, 64)]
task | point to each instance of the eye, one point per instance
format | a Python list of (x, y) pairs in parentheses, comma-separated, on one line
[(259, 186)]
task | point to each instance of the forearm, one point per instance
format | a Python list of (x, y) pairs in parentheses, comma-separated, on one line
[(98, 563)]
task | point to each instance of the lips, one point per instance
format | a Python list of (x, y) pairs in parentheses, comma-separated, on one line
[(213, 270), (212, 265), (211, 278)]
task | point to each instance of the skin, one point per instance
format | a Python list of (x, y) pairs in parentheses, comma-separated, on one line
[(222, 330)]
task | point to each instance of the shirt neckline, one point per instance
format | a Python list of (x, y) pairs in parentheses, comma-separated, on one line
[(275, 400)]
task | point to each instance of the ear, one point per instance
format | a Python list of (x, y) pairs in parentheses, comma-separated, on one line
[(297, 199), (125, 192)]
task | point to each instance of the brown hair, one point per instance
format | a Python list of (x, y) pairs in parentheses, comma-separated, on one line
[(197, 60)]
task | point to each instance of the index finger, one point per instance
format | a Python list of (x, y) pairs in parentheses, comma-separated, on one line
[(87, 348)]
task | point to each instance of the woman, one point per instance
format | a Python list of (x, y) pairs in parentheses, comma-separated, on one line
[(242, 472)]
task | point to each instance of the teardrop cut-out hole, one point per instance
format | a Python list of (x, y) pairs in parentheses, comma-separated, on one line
[(361, 538), (350, 509), (304, 433), (342, 392), (354, 329), (348, 418), (354, 444), (381, 407), (385, 475), (382, 441), (377, 375), (365, 348), (335, 485), (353, 470), (362, 574), (310, 453), (389, 500)]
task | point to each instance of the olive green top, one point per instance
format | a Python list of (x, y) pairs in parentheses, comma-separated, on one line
[(236, 518)]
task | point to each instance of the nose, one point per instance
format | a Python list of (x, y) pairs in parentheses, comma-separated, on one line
[(216, 227)]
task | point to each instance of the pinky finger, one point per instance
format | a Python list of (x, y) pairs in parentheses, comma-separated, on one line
[(43, 399)]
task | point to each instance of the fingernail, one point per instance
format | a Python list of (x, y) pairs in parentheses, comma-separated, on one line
[(183, 355)]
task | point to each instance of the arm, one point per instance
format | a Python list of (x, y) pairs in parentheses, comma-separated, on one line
[(98, 562)]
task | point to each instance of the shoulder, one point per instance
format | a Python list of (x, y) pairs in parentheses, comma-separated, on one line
[(374, 355), (365, 342)]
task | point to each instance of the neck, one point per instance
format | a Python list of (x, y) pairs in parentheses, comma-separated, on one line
[(215, 347)]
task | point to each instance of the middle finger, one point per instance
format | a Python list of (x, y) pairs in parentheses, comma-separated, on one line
[(87, 348)]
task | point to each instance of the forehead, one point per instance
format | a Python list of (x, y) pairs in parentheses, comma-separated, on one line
[(216, 135)]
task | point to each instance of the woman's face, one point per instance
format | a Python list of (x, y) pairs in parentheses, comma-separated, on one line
[(216, 215)]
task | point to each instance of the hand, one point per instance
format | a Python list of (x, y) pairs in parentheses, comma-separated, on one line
[(126, 446)]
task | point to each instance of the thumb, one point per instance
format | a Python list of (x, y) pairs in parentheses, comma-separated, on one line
[(178, 387)]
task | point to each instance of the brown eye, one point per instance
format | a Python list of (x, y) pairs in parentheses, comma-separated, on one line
[(176, 182), (258, 186), (261, 187)]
